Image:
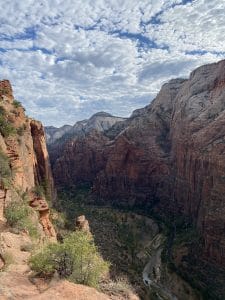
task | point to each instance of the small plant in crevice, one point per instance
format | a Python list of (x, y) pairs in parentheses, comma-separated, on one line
[(17, 104), (39, 191), (43, 190)]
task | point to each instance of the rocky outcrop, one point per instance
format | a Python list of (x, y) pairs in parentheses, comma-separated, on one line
[(71, 291), (18, 286), (41, 206), (16, 282), (23, 152), (168, 156), (82, 224)]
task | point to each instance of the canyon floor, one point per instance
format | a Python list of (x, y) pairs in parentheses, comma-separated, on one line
[(125, 239)]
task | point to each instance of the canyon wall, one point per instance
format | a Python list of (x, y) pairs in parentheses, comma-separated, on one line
[(168, 156), (24, 157)]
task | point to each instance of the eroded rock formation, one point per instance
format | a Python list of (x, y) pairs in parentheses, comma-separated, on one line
[(82, 224), (24, 156), (40, 204), (168, 156)]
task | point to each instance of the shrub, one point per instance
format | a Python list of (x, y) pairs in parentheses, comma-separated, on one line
[(28, 224), (6, 128), (76, 258), (17, 103), (18, 215), (5, 171), (58, 219), (39, 191), (15, 213), (21, 130), (44, 262)]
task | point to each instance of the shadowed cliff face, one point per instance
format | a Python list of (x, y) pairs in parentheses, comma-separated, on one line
[(42, 168), (168, 156), (85, 164)]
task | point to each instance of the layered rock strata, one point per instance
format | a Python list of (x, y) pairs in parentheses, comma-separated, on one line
[(168, 156), (24, 156)]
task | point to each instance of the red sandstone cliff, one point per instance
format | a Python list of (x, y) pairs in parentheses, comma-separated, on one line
[(22, 144), (169, 156)]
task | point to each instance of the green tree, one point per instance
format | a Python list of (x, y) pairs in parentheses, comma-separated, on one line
[(77, 259)]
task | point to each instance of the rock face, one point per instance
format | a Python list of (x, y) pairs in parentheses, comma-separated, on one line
[(168, 156), (54, 133), (59, 137), (40, 204), (85, 164), (16, 283), (23, 152)]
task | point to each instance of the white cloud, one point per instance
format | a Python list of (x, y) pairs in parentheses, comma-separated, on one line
[(68, 60)]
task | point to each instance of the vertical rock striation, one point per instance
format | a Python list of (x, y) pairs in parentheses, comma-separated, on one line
[(23, 152), (169, 156)]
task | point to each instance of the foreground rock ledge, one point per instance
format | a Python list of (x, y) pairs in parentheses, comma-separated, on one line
[(68, 290)]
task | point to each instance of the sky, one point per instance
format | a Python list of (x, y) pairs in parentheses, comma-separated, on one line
[(67, 60)]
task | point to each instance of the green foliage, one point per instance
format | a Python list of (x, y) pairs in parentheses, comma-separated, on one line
[(39, 190), (5, 171), (16, 212), (45, 261), (129, 237), (43, 190), (6, 128), (71, 202), (46, 190), (21, 129), (58, 219), (17, 104), (18, 215), (76, 258)]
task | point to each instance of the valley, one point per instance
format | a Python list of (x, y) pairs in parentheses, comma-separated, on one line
[(148, 189), (166, 161), (132, 241)]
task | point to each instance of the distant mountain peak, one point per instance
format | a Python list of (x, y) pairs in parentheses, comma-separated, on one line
[(101, 114), (100, 121)]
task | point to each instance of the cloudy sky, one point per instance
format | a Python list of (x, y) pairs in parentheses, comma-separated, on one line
[(69, 59)]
